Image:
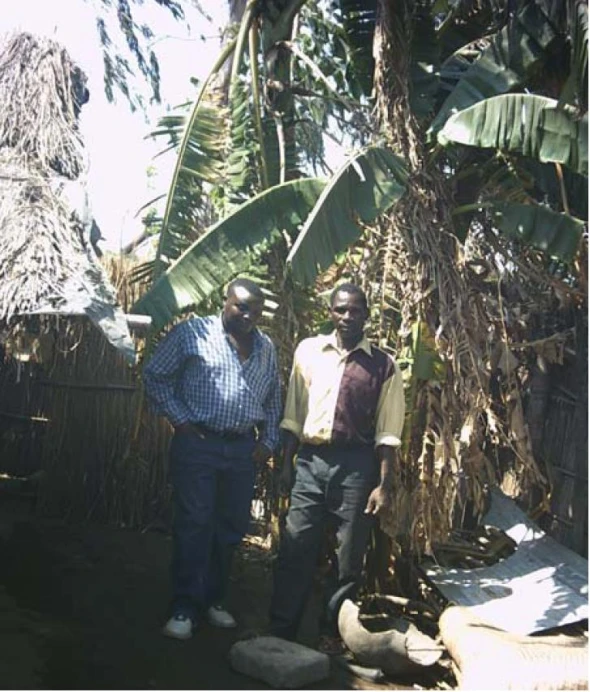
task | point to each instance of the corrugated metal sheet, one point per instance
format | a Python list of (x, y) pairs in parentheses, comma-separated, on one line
[(540, 586)]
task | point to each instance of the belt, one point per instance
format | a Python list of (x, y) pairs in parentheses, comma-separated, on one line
[(229, 435), (339, 444)]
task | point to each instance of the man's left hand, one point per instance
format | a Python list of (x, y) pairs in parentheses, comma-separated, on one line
[(378, 501), (261, 453)]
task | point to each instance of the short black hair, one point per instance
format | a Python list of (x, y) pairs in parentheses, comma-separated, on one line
[(249, 285), (348, 287)]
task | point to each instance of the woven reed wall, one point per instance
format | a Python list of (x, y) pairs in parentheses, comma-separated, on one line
[(82, 421)]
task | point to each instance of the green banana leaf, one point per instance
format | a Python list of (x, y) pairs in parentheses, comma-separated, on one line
[(558, 235), (513, 54), (576, 86), (424, 65), (365, 187), (228, 248), (420, 363), (200, 143), (359, 20), (531, 125)]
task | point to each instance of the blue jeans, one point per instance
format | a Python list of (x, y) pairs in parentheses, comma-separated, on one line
[(331, 484), (213, 485)]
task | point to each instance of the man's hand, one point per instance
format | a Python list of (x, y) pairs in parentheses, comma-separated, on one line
[(378, 500), (261, 453), (189, 428), (286, 478)]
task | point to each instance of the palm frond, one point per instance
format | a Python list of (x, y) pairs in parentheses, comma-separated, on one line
[(504, 65), (557, 235), (228, 248), (366, 186), (531, 125)]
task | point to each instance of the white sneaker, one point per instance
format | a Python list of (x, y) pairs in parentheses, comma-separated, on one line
[(178, 627), (219, 617)]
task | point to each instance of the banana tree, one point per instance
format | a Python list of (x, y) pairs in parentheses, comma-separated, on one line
[(322, 219), (535, 127), (519, 170), (262, 96), (440, 66)]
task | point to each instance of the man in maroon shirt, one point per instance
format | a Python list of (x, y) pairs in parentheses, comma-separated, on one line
[(343, 420)]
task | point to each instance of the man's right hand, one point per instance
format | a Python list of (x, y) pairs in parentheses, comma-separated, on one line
[(189, 428), (286, 478)]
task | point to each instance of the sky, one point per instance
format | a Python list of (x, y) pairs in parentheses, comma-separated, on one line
[(115, 138)]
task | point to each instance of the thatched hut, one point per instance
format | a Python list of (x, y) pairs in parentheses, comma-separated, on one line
[(70, 405), (47, 262)]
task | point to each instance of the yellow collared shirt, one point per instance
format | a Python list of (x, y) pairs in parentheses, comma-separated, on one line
[(344, 396)]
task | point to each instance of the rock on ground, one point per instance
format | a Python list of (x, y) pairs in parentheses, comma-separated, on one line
[(279, 663)]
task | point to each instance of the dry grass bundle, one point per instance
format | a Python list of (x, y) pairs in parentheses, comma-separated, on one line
[(44, 262), (41, 92)]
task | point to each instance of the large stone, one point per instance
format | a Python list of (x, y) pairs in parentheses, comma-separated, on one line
[(279, 663)]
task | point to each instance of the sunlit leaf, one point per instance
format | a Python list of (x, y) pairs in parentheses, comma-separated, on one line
[(365, 187), (514, 52), (531, 125), (228, 248), (558, 235)]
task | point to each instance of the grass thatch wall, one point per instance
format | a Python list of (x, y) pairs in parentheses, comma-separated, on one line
[(101, 453), (75, 412)]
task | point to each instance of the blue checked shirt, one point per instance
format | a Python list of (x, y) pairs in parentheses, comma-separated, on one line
[(195, 376)]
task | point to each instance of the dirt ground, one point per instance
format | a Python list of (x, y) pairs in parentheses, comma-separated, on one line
[(81, 607)]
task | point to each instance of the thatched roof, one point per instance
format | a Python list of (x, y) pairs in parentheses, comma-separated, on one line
[(47, 264)]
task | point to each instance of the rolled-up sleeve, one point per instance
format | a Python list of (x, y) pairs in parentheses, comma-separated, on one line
[(296, 400), (160, 377), (391, 409)]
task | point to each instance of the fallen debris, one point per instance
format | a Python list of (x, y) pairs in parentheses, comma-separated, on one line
[(487, 658), (540, 586)]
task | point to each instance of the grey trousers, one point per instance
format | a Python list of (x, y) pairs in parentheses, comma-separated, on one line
[(332, 483)]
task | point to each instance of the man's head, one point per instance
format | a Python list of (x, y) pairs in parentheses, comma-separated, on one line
[(349, 311), (243, 305)]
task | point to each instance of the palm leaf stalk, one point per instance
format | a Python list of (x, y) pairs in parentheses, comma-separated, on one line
[(254, 47)]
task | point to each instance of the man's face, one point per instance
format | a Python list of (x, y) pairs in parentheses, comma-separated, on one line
[(242, 311), (349, 314)]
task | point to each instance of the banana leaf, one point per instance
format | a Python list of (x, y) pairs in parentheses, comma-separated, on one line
[(514, 52), (365, 187), (359, 18), (558, 235), (424, 65), (228, 248), (531, 125), (420, 363), (576, 87)]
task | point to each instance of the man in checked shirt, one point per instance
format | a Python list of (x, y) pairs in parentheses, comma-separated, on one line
[(216, 380), (343, 421)]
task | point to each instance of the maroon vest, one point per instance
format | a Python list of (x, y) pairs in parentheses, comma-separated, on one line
[(360, 388)]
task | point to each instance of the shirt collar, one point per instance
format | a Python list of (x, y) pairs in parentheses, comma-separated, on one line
[(330, 342)]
